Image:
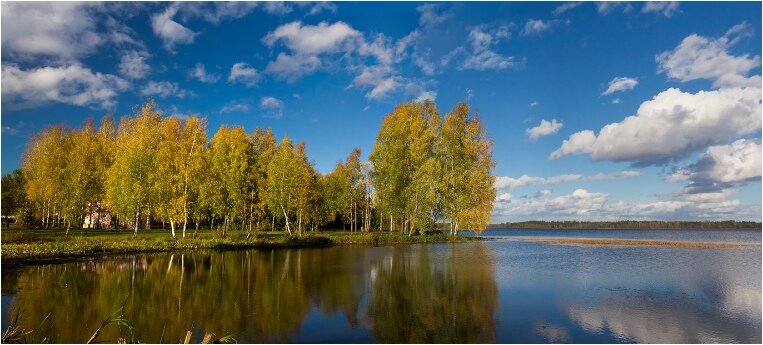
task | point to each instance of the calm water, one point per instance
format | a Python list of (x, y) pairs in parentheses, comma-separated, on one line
[(502, 290)]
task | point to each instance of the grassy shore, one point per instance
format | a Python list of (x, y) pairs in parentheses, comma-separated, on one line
[(639, 243), (28, 246)]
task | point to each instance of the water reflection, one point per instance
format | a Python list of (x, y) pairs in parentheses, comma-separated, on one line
[(500, 291), (646, 317), (397, 294)]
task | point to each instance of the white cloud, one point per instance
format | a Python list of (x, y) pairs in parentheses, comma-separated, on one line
[(218, 11), (606, 7), (421, 91), (200, 73), (242, 72), (278, 8), (380, 48), (671, 126), (566, 7), (578, 142), (615, 175), (163, 89), (306, 43), (543, 129), (666, 8), (133, 64), (64, 29), (585, 205), (698, 57), (616, 101), (73, 84), (318, 7), (506, 182), (721, 167), (533, 103), (481, 57), (235, 107), (291, 68), (432, 14), (537, 26), (309, 40), (379, 78), (620, 84), (171, 32), (273, 107)]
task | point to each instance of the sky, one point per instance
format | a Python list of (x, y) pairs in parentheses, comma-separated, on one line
[(597, 111)]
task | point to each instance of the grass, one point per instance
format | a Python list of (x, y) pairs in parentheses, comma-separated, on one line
[(640, 243), (32, 245)]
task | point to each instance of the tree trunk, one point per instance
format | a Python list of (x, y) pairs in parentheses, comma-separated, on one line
[(299, 224), (137, 220), (172, 226), (288, 229)]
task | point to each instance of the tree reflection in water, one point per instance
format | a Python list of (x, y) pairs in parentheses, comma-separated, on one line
[(440, 293)]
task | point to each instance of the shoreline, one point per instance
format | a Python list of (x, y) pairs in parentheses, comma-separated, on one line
[(617, 242), (73, 248)]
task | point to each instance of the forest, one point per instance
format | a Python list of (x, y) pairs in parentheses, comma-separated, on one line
[(425, 169)]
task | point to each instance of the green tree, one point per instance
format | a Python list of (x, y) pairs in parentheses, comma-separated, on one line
[(229, 167), (466, 154), (132, 178), (282, 181), (13, 195)]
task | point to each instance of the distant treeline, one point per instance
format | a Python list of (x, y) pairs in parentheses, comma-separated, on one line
[(628, 224)]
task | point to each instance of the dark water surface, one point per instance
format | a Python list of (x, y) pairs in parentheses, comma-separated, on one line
[(501, 290)]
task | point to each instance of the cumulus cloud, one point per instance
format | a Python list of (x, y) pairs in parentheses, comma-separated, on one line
[(200, 73), (666, 8), (163, 89), (586, 205), (273, 107), (306, 43), (698, 57), (537, 26), (432, 14), (606, 7), (171, 32), (218, 11), (379, 78), (310, 40), (133, 64), (543, 129), (242, 72), (278, 8), (506, 182), (481, 56), (291, 68), (577, 143), (620, 84), (671, 126), (62, 31), (566, 7), (235, 107), (421, 91), (73, 84), (721, 167)]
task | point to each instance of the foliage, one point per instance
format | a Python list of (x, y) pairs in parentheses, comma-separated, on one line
[(152, 168)]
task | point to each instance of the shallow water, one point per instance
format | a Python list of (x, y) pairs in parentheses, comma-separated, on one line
[(496, 291)]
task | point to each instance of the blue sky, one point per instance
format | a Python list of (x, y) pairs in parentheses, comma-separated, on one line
[(597, 110)]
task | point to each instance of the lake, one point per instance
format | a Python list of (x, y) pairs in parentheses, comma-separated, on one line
[(503, 290)]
